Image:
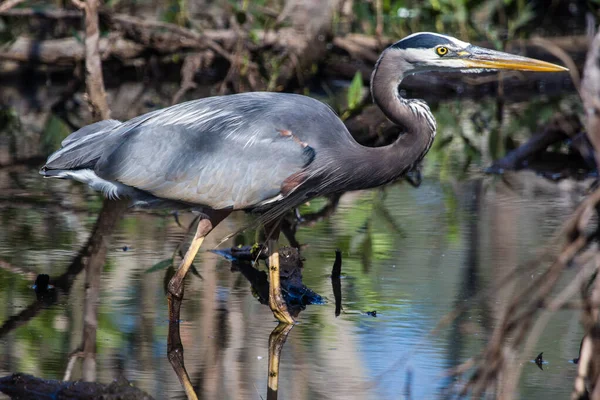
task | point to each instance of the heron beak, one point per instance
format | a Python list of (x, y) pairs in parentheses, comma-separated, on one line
[(478, 57)]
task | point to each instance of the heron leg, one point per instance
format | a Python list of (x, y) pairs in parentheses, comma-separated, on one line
[(175, 297), (175, 286), (276, 301)]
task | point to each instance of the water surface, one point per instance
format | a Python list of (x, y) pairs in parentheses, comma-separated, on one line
[(412, 255)]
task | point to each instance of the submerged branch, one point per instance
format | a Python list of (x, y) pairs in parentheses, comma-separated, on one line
[(21, 386)]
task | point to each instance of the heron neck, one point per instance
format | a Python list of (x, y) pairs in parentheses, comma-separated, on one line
[(375, 166)]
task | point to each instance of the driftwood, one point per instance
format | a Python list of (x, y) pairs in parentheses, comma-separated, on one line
[(66, 52), (558, 130)]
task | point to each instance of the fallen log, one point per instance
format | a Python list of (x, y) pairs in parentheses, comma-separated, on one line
[(67, 51), (21, 386)]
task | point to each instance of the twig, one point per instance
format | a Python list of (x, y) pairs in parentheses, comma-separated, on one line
[(574, 286), (191, 64), (201, 41), (8, 4)]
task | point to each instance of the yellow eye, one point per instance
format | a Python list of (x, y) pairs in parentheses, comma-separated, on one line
[(442, 51)]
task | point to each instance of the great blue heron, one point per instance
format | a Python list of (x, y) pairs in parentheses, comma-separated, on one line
[(265, 152)]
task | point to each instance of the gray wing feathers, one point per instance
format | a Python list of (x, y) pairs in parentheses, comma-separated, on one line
[(222, 152), (98, 127), (206, 169), (82, 148)]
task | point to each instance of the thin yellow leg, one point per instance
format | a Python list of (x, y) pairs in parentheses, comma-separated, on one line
[(175, 286), (276, 301)]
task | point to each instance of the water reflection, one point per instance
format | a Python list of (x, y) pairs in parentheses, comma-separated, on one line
[(412, 255), (277, 339), (296, 295)]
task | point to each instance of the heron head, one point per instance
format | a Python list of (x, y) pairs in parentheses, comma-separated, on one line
[(427, 51)]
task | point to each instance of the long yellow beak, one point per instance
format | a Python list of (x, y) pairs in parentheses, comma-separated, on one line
[(478, 57)]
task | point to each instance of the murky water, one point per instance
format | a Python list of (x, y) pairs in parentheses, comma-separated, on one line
[(411, 255)]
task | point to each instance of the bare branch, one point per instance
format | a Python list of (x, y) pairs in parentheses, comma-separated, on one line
[(191, 64), (93, 62), (8, 4), (79, 4)]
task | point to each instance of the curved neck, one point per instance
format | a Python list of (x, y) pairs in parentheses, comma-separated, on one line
[(381, 165)]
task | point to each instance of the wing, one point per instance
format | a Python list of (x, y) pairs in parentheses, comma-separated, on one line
[(81, 149), (223, 152)]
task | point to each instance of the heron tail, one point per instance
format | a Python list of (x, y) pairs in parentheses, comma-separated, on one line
[(79, 150)]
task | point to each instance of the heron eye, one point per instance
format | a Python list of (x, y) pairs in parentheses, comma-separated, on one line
[(442, 51)]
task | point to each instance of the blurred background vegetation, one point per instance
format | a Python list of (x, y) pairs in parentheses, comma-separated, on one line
[(322, 48)]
